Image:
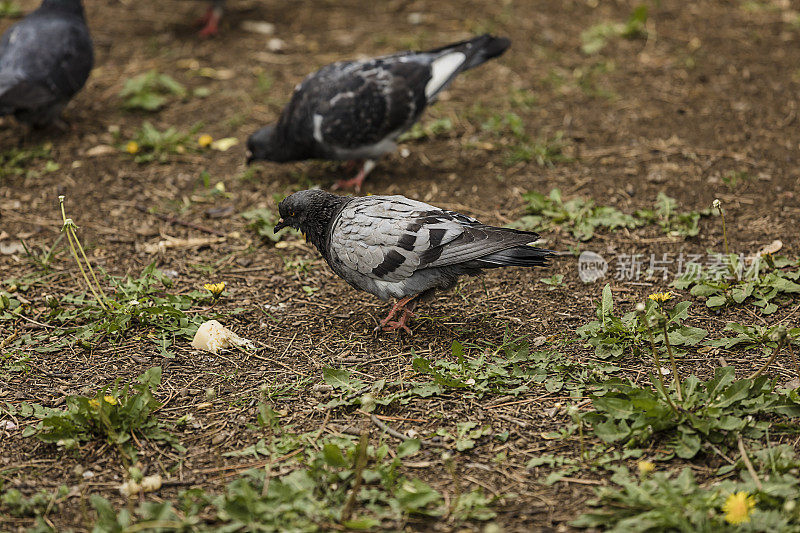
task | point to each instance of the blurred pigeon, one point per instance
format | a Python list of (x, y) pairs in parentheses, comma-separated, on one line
[(210, 21), (355, 110), (44, 60), (394, 246)]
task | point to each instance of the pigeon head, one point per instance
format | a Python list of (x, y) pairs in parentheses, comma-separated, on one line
[(267, 144), (311, 212)]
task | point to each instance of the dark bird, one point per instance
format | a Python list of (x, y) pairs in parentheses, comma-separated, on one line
[(44, 60), (391, 246), (210, 21), (356, 110)]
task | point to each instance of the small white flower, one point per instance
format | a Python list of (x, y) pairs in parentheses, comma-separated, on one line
[(717, 204), (470, 381), (640, 307), (665, 371)]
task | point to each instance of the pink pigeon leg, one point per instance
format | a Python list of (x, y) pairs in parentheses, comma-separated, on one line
[(211, 21), (355, 183), (404, 306)]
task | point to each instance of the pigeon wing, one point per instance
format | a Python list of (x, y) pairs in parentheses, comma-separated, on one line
[(44, 58), (388, 238), (353, 104)]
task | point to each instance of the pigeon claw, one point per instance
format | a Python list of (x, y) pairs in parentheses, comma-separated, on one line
[(394, 325), (403, 307)]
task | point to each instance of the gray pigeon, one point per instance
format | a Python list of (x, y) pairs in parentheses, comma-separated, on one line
[(354, 110), (44, 60), (391, 246)]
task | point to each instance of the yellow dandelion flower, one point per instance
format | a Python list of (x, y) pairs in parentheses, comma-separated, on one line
[(645, 467), (95, 403), (205, 140), (132, 147), (215, 288), (738, 507), (110, 399), (660, 297)]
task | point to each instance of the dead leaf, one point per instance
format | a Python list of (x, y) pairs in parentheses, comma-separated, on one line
[(100, 150), (188, 64), (220, 212), (269, 57), (771, 248), (173, 242), (259, 26), (11, 205), (217, 74), (11, 248), (276, 45), (225, 144)]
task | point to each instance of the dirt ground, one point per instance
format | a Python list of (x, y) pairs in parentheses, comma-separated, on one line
[(709, 93)]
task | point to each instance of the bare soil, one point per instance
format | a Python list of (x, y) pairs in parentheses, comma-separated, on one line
[(712, 90)]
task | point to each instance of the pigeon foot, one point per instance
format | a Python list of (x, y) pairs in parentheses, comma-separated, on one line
[(394, 325), (352, 183), (355, 183), (405, 308), (210, 22)]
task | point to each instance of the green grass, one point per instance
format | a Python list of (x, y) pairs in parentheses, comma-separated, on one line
[(666, 501), (595, 38), (150, 91), (335, 482), (150, 144), (766, 283), (118, 415), (20, 161), (583, 217)]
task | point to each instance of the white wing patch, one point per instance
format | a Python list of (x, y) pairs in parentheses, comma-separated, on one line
[(318, 128), (332, 102), (442, 70)]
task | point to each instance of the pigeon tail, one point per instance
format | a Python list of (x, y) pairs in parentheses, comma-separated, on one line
[(522, 256), (458, 57)]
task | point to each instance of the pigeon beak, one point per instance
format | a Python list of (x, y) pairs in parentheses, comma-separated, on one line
[(279, 226), (249, 155)]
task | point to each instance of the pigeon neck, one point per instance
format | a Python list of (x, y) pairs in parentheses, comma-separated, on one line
[(291, 146), (320, 233), (70, 6)]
